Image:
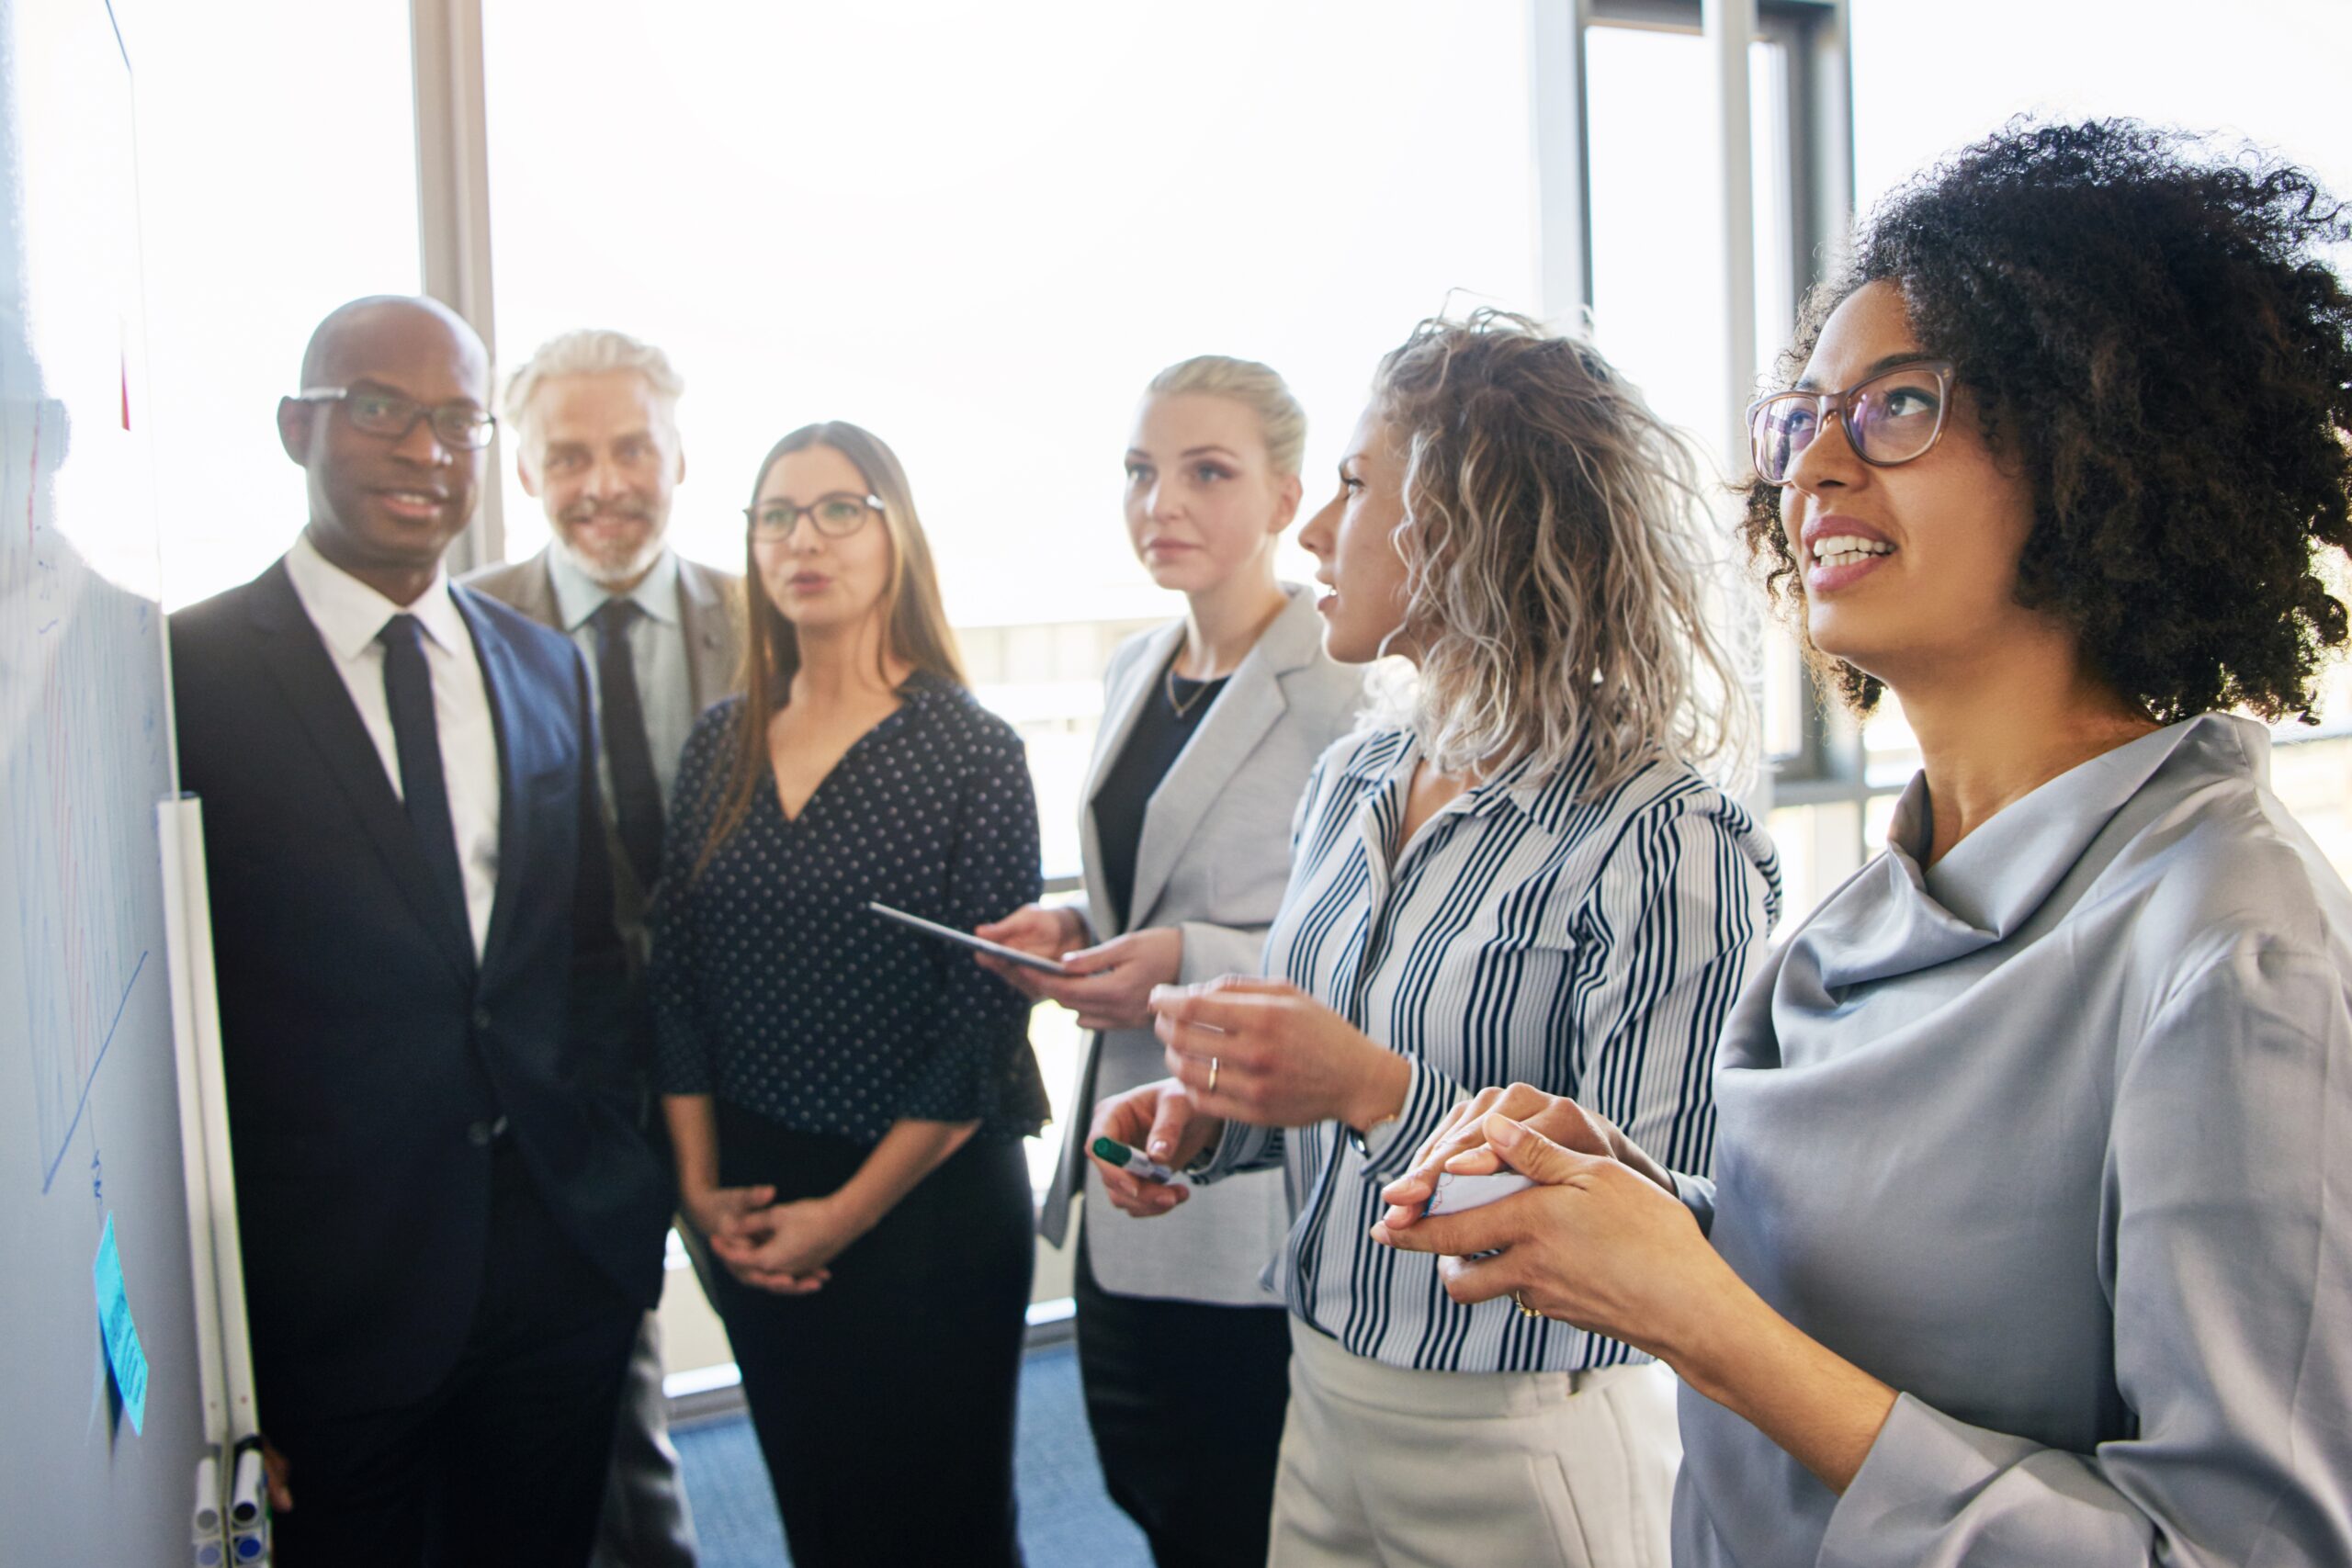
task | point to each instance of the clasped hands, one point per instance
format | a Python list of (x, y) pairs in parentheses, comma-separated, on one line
[(1602, 1242), (783, 1248)]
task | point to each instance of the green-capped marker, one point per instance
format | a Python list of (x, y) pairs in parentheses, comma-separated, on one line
[(1110, 1151)]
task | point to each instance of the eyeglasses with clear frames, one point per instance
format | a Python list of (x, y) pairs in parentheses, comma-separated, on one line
[(375, 412), (1889, 417), (836, 514)]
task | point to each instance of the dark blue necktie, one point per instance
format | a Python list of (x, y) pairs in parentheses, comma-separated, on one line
[(637, 793), (408, 691)]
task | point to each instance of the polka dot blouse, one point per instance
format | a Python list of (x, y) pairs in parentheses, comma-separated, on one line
[(775, 990)]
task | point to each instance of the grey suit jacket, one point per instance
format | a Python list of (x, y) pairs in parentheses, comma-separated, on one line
[(1214, 860), (710, 608)]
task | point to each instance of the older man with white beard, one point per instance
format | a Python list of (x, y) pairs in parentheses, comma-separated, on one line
[(594, 414)]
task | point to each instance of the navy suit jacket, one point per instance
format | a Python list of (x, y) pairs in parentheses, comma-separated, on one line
[(367, 1053)]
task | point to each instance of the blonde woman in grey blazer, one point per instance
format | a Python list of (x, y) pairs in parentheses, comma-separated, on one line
[(1210, 726)]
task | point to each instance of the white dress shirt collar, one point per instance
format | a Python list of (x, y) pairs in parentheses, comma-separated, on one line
[(579, 596), (349, 614)]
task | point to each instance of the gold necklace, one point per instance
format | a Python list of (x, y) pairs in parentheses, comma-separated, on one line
[(1183, 710)]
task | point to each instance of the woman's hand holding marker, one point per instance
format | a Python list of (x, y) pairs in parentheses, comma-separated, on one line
[(1161, 1121), (1110, 1151)]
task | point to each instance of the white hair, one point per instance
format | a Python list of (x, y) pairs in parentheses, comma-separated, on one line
[(588, 350)]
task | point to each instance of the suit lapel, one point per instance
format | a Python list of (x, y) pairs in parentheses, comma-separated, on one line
[(536, 595), (1249, 706), (305, 674), (1123, 705), (703, 617), (502, 679), (1251, 703)]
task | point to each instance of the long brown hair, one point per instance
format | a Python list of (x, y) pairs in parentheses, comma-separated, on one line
[(914, 617)]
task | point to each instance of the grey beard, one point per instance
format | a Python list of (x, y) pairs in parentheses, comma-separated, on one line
[(628, 571)]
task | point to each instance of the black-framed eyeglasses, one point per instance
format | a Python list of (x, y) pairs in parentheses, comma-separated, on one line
[(837, 515), (374, 411), (1889, 417)]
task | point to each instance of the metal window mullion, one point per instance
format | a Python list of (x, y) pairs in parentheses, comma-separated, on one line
[(1730, 29), (453, 208), (1561, 123)]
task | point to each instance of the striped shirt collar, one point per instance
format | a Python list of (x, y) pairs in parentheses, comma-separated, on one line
[(1389, 762)]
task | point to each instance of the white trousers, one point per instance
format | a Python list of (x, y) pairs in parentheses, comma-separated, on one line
[(1479, 1470)]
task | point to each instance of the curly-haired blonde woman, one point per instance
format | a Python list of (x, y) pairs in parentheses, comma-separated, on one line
[(1522, 875)]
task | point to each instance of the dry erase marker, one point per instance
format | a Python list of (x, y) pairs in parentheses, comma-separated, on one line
[(248, 1491), (1456, 1193), (1132, 1161)]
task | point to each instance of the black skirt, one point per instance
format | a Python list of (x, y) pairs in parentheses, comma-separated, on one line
[(884, 1401)]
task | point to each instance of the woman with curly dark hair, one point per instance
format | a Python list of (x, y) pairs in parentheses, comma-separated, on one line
[(2031, 1224)]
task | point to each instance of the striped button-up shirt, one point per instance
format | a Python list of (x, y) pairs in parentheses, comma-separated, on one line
[(1590, 947)]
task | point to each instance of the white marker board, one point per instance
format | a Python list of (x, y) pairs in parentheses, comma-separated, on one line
[(89, 1116)]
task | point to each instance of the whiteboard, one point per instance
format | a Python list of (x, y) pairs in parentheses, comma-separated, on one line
[(89, 1117)]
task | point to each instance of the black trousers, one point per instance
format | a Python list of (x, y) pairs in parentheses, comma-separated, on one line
[(1186, 1400), (884, 1403), (503, 1466)]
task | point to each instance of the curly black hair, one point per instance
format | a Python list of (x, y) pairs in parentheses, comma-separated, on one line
[(2154, 337)]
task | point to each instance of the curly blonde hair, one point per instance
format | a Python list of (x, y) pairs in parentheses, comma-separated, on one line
[(1558, 561)]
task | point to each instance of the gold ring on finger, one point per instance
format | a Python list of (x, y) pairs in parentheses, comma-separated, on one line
[(1521, 1302), (1212, 1088)]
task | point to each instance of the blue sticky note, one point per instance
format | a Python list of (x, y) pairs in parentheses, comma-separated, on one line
[(123, 1354)]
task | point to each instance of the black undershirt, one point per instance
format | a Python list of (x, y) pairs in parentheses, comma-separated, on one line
[(1158, 738)]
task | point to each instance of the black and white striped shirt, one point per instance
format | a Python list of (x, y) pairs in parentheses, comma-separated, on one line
[(1588, 947)]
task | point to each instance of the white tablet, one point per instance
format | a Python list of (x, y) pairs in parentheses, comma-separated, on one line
[(949, 933)]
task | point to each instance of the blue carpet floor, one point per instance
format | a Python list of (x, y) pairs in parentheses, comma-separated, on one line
[(1066, 1516)]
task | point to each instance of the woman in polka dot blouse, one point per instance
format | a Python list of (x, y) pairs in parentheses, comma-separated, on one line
[(848, 1098)]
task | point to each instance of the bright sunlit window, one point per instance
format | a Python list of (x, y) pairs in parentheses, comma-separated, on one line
[(1929, 79), (277, 179), (978, 232)]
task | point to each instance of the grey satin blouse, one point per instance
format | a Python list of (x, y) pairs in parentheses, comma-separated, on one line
[(2055, 1138)]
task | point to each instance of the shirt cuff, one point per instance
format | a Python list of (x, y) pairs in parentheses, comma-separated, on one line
[(1698, 1195), (1389, 1149), (680, 1064), (1923, 1467), (1240, 1148)]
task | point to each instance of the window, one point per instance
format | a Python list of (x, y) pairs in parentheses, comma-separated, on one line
[(2175, 63), (979, 234), (262, 208), (1661, 304)]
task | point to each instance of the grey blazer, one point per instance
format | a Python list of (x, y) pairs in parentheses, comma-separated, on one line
[(709, 610), (1214, 860)]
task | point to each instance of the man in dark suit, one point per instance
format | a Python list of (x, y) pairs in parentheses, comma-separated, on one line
[(593, 419), (451, 1224)]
